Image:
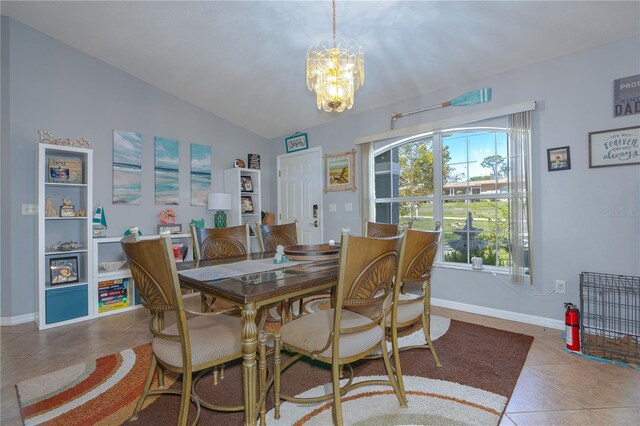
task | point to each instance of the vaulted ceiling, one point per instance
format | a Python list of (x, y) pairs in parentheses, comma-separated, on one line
[(245, 60)]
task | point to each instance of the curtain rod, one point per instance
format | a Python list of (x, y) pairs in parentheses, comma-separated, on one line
[(449, 122)]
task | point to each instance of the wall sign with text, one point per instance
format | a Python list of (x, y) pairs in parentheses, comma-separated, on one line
[(616, 147), (296, 142), (626, 96)]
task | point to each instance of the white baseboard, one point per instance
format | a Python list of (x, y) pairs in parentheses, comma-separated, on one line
[(499, 313), (20, 319)]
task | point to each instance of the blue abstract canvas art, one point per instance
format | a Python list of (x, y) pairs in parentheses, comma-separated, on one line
[(166, 171), (200, 174), (127, 167)]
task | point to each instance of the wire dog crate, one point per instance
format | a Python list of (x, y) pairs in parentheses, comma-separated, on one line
[(610, 316)]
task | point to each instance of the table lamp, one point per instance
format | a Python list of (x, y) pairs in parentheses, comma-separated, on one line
[(220, 202)]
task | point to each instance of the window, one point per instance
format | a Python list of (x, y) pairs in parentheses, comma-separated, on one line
[(470, 167)]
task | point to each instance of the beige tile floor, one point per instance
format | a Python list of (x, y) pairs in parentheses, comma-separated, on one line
[(554, 388)]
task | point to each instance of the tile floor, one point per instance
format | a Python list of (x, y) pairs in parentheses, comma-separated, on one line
[(554, 388)]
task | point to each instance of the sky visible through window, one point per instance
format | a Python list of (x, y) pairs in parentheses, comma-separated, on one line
[(479, 146)]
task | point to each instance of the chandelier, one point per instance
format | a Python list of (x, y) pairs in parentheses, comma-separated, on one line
[(335, 73)]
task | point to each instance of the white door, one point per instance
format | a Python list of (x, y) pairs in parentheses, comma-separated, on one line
[(300, 192)]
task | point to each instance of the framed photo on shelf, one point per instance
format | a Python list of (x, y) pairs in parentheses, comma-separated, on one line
[(616, 147), (246, 204), (63, 270), (339, 171), (296, 142), (246, 185), (558, 159), (64, 170)]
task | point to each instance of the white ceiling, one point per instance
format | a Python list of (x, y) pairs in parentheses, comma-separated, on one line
[(245, 60)]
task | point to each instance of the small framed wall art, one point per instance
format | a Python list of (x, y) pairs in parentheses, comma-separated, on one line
[(297, 142), (616, 147), (558, 159), (339, 171)]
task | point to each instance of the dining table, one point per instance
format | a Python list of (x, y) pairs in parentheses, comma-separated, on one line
[(253, 291)]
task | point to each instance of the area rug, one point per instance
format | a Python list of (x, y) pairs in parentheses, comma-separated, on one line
[(480, 367)]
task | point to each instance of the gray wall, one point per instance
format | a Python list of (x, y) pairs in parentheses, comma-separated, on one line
[(57, 88), (574, 230)]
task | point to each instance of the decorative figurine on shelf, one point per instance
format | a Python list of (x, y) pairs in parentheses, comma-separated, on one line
[(99, 223), (67, 209), (50, 208), (167, 216), (132, 231), (81, 213), (280, 257), (239, 163)]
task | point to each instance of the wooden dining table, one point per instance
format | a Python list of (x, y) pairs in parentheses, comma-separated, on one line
[(255, 291)]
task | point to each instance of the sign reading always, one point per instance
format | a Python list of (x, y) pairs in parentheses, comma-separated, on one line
[(626, 96), (615, 147)]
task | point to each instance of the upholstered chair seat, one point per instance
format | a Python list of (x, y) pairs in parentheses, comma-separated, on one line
[(210, 339), (410, 309), (311, 332)]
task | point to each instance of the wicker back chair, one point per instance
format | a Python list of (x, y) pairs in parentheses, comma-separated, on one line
[(385, 230), (354, 328), (186, 346)]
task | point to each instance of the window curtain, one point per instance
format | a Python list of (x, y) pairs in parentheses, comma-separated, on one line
[(520, 202), (366, 182)]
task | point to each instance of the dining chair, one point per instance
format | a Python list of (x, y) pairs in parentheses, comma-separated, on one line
[(218, 243), (418, 251), (269, 238), (385, 230), (190, 345), (354, 328)]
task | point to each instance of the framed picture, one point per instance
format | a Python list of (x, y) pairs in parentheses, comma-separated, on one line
[(246, 185), (296, 142), (339, 171), (65, 170), (558, 159), (616, 147), (246, 204), (63, 270), (254, 161)]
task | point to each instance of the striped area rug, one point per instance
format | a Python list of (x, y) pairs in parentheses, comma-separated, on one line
[(480, 367)]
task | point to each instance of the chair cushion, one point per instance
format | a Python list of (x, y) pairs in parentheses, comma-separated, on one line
[(212, 338), (408, 311), (310, 333)]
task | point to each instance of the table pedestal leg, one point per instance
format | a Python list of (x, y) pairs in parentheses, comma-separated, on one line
[(249, 348)]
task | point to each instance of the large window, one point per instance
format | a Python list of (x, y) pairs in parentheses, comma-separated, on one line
[(458, 177)]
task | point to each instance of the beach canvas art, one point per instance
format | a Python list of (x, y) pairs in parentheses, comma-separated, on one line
[(127, 167), (166, 171), (200, 174)]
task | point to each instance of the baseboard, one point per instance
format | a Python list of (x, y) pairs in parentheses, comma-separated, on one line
[(499, 313), (20, 319)]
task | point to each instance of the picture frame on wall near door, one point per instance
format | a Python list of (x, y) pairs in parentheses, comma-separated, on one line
[(297, 142), (339, 171)]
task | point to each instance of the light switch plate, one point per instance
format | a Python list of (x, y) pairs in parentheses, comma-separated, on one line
[(29, 209), (348, 207), (332, 207)]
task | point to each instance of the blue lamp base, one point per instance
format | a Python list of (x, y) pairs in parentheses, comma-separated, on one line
[(220, 219)]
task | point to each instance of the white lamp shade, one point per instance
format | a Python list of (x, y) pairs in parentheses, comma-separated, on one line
[(219, 201)]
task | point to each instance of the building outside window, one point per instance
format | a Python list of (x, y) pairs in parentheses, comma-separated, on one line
[(470, 169)]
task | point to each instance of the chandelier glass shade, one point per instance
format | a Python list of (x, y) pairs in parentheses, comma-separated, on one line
[(335, 72)]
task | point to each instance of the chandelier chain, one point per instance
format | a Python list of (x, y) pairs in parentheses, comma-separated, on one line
[(334, 23)]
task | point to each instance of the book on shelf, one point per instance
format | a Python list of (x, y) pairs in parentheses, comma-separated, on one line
[(113, 294)]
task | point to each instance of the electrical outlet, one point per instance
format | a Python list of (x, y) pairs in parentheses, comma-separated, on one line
[(561, 286)]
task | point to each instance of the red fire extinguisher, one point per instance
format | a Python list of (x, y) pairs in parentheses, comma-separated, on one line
[(572, 326)]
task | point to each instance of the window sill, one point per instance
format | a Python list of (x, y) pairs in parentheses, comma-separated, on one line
[(494, 270)]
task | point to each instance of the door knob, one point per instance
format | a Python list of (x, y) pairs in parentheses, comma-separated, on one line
[(315, 223)]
